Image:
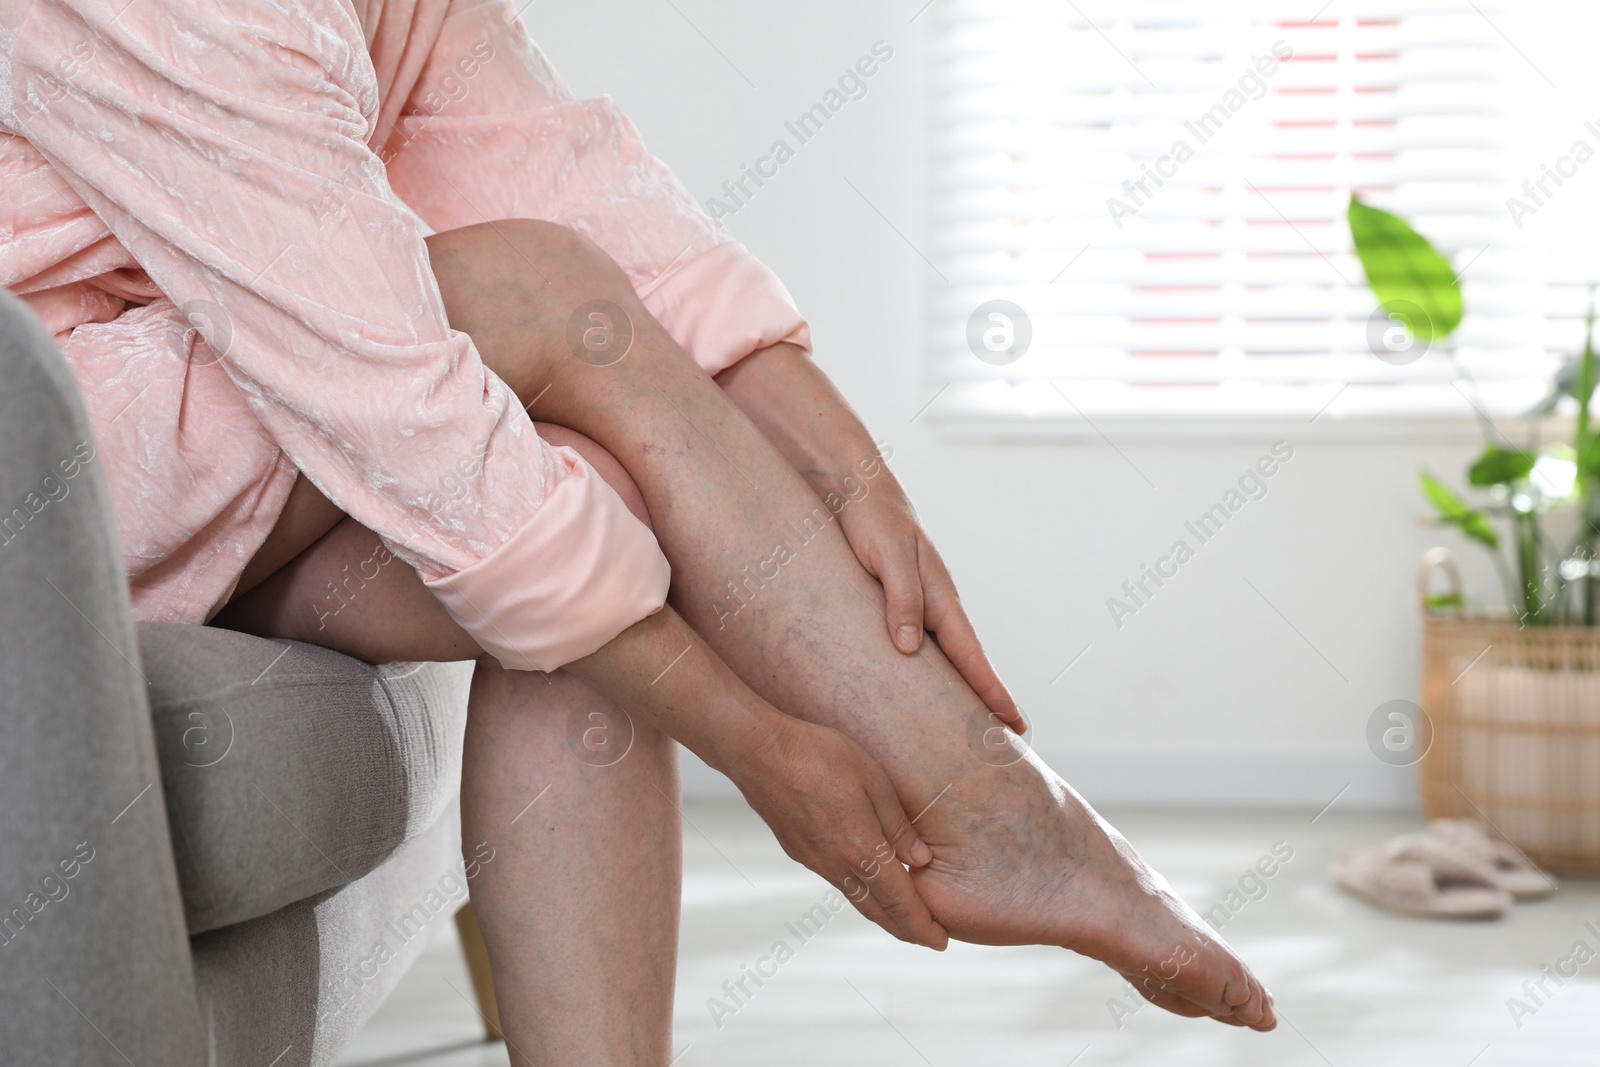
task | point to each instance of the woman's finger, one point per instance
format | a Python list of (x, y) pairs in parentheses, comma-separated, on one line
[(891, 883), (891, 900), (902, 838), (902, 586), (948, 620), (894, 925)]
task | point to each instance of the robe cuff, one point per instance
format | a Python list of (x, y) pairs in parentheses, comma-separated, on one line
[(723, 304), (583, 570)]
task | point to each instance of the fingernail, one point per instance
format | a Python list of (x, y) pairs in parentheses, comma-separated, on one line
[(920, 853), (907, 637)]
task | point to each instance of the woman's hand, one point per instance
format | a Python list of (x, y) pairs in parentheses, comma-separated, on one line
[(883, 530), (832, 809), (805, 417), (829, 803)]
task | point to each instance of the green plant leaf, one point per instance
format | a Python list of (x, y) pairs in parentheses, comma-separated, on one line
[(1453, 511), (1450, 506), (1500, 466), (1412, 281), (1589, 458), (1476, 526), (1584, 436)]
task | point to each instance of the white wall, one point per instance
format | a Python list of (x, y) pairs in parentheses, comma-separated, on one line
[(1208, 694)]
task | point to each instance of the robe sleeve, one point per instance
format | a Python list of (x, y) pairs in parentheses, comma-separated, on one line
[(225, 144), (491, 132)]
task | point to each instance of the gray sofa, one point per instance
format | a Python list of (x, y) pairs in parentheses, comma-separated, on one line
[(214, 849)]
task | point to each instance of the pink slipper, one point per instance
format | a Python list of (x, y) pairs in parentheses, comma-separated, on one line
[(1517, 874), (1417, 874)]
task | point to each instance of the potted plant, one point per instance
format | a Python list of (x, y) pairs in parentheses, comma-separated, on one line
[(1512, 697)]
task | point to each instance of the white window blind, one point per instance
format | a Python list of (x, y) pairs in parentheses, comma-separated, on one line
[(1165, 198)]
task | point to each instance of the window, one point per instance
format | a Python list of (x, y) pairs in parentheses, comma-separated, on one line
[(1161, 188)]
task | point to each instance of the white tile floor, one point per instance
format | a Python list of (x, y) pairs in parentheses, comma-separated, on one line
[(1355, 986)]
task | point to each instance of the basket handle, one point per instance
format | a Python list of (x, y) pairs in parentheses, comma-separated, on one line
[(1437, 559)]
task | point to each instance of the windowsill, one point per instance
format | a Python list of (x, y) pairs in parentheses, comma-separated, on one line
[(1093, 411)]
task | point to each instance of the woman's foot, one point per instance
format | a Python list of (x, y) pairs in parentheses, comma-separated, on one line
[(1022, 859)]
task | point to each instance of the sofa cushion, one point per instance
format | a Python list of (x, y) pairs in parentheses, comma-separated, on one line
[(289, 769), (290, 989)]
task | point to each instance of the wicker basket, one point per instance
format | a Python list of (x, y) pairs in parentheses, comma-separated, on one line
[(1516, 728)]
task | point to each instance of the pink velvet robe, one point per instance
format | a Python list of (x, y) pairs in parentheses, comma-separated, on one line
[(207, 202)]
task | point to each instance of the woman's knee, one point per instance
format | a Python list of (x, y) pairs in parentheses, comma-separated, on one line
[(555, 254), (514, 287), (605, 464)]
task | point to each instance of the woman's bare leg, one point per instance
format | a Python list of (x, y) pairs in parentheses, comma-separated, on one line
[(582, 920), (579, 907), (771, 584)]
